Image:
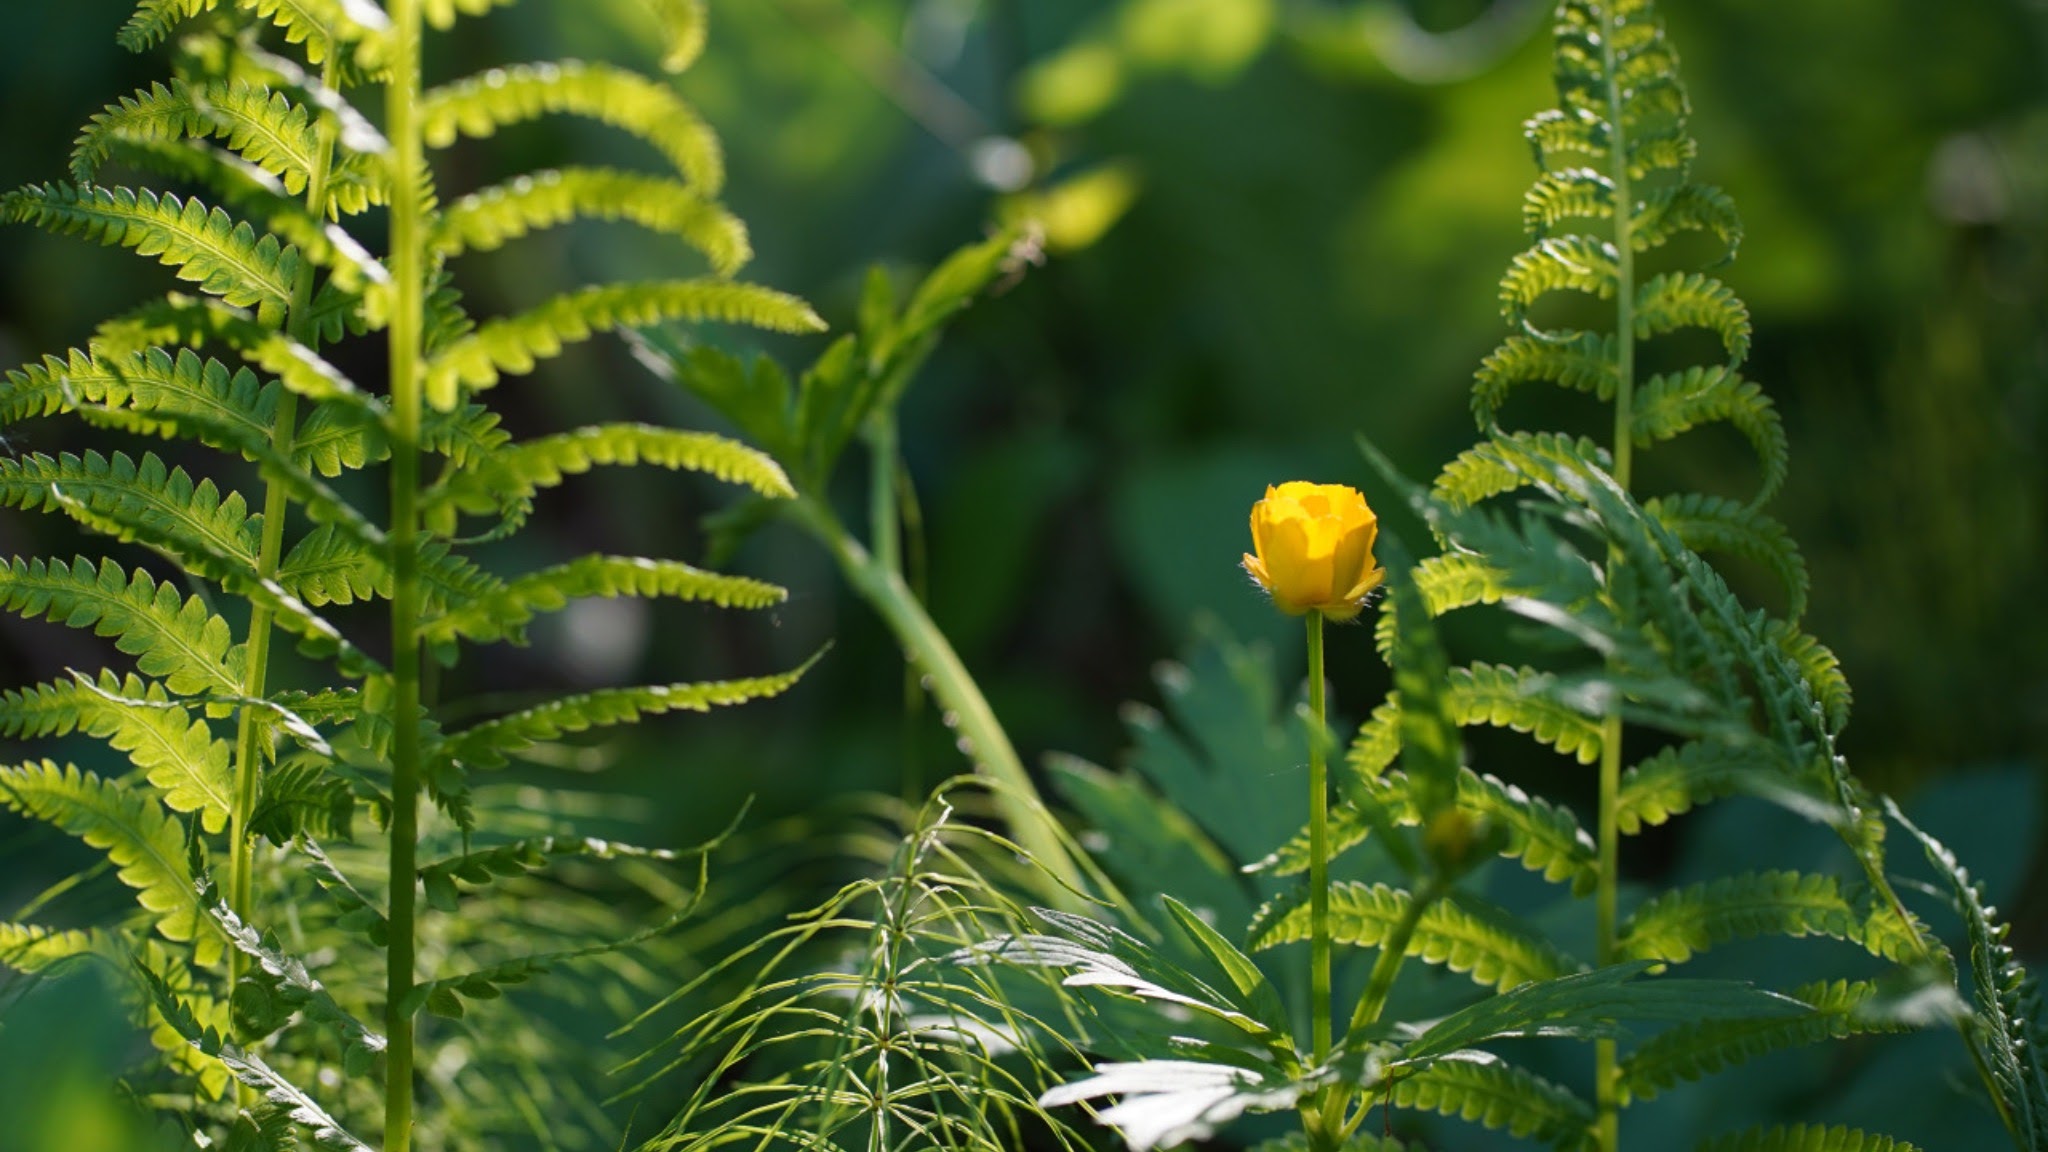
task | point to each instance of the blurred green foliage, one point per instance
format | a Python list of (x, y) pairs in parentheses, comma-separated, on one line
[(1317, 197)]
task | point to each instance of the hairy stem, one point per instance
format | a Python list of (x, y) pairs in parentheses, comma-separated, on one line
[(408, 272), (250, 730), (1605, 1072), (966, 710)]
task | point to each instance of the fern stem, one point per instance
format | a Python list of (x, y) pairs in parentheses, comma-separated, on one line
[(1605, 1071), (966, 710), (409, 274), (284, 430)]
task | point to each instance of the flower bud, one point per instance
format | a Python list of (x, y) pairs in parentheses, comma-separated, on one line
[(1314, 549)]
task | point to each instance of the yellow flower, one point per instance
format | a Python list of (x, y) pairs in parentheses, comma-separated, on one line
[(1314, 545)]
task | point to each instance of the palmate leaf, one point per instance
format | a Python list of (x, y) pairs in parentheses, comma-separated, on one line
[(262, 126), (1497, 1094), (1459, 932), (1167, 1102), (506, 613), (1805, 1138), (487, 744), (1675, 925), (512, 345), (486, 220), (175, 639), (1696, 1051), (479, 106), (145, 846), (225, 258), (178, 754)]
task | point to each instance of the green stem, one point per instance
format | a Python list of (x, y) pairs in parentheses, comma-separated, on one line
[(1318, 852), (407, 323), (1393, 952), (1605, 1072), (250, 731), (967, 711)]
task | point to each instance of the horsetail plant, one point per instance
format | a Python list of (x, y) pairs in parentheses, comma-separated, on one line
[(1719, 696), (279, 165)]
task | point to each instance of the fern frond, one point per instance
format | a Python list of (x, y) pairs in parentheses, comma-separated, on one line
[(2007, 1039), (1583, 363), (506, 479), (487, 744), (183, 320), (1675, 925), (1698, 1050), (1574, 132), (479, 106), (1677, 208), (518, 858), (441, 14), (1669, 404), (511, 346), (335, 439), (486, 220), (331, 567), (224, 257), (140, 500), (1820, 668), (261, 125), (178, 754), (1678, 300), (1715, 524), (324, 26), (1501, 464), (1459, 932), (1676, 779), (154, 19), (145, 845), (1560, 263), (683, 22), (1524, 700), (506, 614), (1806, 1138), (1500, 1095), (152, 381), (174, 639), (1566, 194), (32, 947)]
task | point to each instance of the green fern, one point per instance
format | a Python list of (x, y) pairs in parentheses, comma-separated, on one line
[(175, 639), (207, 247), (1500, 1095), (1806, 1138), (482, 105), (486, 220), (1675, 925), (507, 613), (1462, 933), (178, 754), (513, 345), (145, 845), (1696, 1051)]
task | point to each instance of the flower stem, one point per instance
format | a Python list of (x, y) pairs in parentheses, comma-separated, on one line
[(1318, 851), (966, 710), (407, 322)]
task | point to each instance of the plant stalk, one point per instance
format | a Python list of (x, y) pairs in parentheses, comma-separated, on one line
[(1606, 1097), (966, 710), (1318, 851), (250, 731), (407, 324)]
